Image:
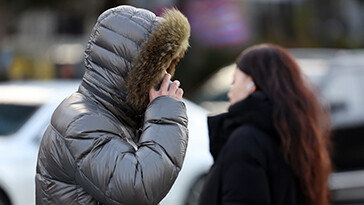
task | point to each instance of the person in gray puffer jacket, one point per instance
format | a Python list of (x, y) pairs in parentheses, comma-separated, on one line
[(117, 140)]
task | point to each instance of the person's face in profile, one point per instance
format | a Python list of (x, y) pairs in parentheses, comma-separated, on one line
[(242, 86)]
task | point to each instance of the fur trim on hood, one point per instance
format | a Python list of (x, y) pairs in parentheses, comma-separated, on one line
[(164, 48)]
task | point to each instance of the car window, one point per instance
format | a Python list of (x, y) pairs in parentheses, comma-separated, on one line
[(348, 152), (343, 91), (13, 116), (220, 97), (346, 97)]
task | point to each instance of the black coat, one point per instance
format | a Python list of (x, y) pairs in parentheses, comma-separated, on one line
[(249, 165)]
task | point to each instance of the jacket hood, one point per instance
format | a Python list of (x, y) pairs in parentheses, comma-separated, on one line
[(128, 52)]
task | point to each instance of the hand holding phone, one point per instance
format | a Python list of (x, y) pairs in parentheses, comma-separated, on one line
[(166, 88)]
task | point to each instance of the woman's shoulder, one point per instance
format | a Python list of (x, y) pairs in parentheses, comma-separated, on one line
[(250, 135), (248, 141)]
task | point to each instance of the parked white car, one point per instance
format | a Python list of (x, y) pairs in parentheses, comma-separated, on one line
[(25, 112)]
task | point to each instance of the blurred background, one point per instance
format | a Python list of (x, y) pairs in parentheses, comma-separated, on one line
[(41, 52), (42, 39)]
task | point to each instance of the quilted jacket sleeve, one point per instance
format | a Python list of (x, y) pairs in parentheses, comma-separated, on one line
[(114, 172)]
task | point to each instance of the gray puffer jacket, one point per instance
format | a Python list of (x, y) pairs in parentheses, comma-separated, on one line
[(106, 144)]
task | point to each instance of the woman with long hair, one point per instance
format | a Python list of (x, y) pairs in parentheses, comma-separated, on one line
[(271, 147)]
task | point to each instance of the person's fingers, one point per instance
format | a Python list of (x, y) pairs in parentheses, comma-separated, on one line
[(153, 88), (174, 86), (152, 93), (165, 82), (179, 93), (178, 83)]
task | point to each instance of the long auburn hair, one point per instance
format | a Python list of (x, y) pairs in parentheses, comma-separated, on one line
[(298, 116)]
